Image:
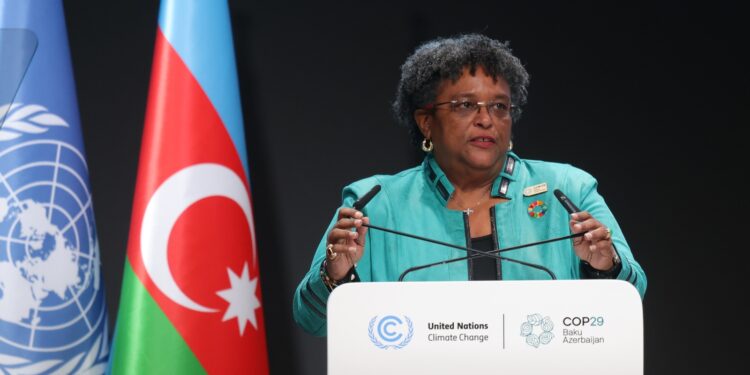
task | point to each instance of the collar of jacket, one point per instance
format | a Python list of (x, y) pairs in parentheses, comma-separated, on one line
[(444, 189)]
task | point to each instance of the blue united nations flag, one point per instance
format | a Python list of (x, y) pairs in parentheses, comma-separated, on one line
[(52, 313)]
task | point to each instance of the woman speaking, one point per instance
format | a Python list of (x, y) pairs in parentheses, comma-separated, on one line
[(459, 97)]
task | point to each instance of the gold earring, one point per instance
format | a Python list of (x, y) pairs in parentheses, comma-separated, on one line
[(510, 146), (426, 145)]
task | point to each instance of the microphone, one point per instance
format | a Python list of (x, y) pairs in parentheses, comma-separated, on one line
[(566, 202), (360, 204)]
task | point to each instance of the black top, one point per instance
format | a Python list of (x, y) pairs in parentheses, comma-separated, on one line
[(484, 268)]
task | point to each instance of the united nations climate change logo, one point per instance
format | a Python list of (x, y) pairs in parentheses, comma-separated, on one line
[(391, 331), (52, 313), (536, 322)]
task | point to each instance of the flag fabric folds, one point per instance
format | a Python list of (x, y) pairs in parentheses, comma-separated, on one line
[(191, 300), (53, 317)]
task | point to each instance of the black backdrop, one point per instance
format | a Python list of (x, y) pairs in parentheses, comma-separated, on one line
[(648, 98)]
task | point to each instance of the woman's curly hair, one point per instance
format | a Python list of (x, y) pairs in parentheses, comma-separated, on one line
[(445, 58)]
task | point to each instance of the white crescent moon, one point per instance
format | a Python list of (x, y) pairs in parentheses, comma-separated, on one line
[(171, 199)]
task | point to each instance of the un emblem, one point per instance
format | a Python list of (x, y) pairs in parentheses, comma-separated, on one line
[(52, 313), (391, 331)]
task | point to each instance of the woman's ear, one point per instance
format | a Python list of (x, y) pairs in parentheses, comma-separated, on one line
[(423, 119)]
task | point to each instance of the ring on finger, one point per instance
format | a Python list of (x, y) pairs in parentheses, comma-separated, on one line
[(330, 254), (609, 234)]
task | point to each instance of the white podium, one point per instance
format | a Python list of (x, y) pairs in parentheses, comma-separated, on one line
[(486, 327)]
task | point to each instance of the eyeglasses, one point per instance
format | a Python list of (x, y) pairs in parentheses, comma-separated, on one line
[(468, 108)]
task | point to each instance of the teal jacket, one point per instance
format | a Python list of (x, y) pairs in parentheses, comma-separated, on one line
[(415, 201)]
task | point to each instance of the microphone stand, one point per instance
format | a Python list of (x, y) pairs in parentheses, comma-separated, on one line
[(477, 253), (474, 252), (532, 265)]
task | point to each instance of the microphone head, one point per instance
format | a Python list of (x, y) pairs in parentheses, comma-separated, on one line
[(558, 194), (362, 202), (566, 202)]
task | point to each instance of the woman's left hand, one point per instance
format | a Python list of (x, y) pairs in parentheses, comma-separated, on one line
[(595, 247)]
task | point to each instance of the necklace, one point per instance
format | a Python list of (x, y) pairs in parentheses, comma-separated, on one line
[(470, 210)]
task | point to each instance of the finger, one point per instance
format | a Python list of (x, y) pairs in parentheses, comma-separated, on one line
[(348, 212), (603, 248), (362, 231), (587, 225), (575, 227), (341, 235), (348, 251), (345, 249), (577, 219), (348, 223), (580, 216), (584, 252), (344, 256), (599, 234)]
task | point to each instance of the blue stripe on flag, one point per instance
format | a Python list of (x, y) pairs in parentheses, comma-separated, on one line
[(201, 33)]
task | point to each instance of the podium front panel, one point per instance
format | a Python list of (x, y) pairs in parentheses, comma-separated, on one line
[(486, 327)]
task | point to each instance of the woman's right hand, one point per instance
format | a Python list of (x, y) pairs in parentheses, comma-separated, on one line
[(347, 245)]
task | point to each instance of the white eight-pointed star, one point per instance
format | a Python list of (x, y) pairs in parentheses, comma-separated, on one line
[(241, 298)]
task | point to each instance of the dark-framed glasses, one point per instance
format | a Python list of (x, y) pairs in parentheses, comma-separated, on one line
[(467, 108)]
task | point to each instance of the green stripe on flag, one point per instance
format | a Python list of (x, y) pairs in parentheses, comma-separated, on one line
[(145, 341)]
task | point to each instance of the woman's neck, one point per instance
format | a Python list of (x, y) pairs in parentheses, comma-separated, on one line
[(469, 190), (468, 177), (471, 187), (467, 180)]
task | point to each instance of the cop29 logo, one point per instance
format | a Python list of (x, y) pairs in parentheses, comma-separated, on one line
[(535, 322), (391, 331)]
